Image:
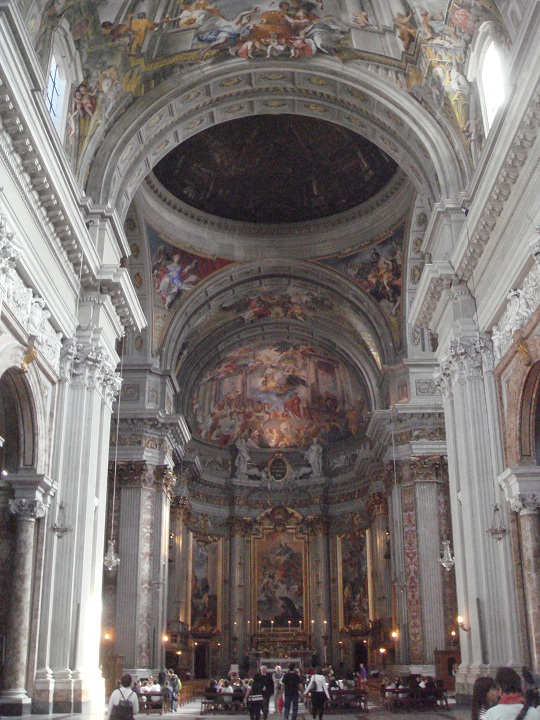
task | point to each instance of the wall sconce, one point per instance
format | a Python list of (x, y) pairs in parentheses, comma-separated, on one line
[(497, 529), (461, 624), (60, 527), (447, 560), (394, 634)]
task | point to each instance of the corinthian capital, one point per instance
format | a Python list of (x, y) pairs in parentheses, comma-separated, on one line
[(465, 359), (525, 503), (27, 509), (165, 480), (521, 487)]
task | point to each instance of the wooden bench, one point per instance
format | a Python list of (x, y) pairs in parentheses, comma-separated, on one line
[(347, 699), (220, 702), (156, 702)]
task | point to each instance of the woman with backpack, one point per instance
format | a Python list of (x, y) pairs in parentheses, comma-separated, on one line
[(123, 703)]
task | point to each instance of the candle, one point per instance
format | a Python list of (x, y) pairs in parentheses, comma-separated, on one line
[(300, 624), (271, 625), (289, 624)]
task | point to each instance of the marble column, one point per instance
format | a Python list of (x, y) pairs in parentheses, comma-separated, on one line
[(484, 567), (319, 583), (70, 623), (239, 529), (426, 472), (521, 487), (145, 493), (379, 545), (179, 584), (14, 700), (398, 575)]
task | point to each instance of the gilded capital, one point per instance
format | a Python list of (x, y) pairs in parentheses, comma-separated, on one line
[(377, 504)]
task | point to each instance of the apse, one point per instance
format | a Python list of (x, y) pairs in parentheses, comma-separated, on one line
[(282, 395)]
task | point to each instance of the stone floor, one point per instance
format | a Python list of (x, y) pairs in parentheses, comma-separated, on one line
[(192, 711)]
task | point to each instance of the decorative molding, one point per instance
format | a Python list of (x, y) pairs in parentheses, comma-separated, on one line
[(27, 308), (521, 486), (465, 359), (514, 161), (521, 304), (27, 168), (90, 366)]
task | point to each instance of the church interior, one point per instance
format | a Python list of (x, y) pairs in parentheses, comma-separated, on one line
[(269, 340)]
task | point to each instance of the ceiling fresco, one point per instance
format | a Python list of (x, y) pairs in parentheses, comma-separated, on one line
[(291, 304), (174, 273), (378, 271), (128, 47), (275, 169), (278, 396)]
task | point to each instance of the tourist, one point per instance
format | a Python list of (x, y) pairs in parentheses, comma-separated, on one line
[(291, 684), (484, 696), (319, 693), (277, 677), (268, 690), (254, 696), (512, 702), (124, 694), (531, 683)]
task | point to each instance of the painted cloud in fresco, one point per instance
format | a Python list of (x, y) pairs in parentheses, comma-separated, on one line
[(284, 395)]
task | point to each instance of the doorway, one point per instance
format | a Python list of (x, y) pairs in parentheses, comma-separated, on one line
[(201, 661)]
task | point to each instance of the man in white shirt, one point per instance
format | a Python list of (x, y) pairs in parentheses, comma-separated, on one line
[(512, 703)]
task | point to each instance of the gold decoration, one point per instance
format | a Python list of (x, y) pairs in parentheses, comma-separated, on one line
[(29, 356)]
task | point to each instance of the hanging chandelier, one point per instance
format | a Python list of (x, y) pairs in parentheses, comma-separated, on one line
[(497, 529), (447, 559), (111, 559)]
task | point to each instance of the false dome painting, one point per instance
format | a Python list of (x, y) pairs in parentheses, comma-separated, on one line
[(275, 169)]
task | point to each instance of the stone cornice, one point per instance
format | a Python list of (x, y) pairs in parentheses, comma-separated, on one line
[(516, 156), (44, 180), (345, 232), (437, 277)]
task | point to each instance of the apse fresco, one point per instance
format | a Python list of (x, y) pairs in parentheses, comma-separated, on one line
[(284, 395), (204, 587), (377, 270), (355, 582), (127, 48), (279, 579)]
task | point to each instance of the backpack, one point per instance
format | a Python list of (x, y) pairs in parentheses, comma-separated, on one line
[(124, 709)]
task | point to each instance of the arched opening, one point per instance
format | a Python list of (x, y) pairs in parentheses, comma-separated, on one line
[(530, 417), (16, 423)]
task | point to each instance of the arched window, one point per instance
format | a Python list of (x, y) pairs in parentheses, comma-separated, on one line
[(65, 72), (487, 69), (56, 91), (492, 83)]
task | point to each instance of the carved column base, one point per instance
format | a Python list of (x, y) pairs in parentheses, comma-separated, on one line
[(88, 692), (42, 697), (63, 692), (15, 703)]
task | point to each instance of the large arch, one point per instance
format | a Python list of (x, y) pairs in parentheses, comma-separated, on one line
[(429, 150)]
